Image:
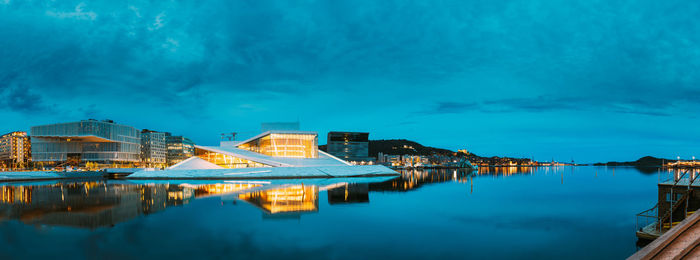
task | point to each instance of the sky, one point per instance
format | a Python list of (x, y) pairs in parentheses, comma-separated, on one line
[(588, 80)]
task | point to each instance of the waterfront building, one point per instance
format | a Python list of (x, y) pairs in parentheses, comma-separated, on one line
[(153, 149), (179, 148), (388, 159), (349, 146), (276, 154), (678, 198), (77, 143), (270, 149), (15, 151)]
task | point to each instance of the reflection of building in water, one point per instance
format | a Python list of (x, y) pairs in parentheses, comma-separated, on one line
[(291, 199), (349, 193), (505, 171), (18, 195), (98, 204), (413, 179), (679, 197), (223, 188)]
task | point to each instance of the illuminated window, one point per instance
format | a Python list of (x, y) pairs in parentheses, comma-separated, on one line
[(295, 145)]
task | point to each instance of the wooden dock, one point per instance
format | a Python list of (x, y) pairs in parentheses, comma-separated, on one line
[(680, 242)]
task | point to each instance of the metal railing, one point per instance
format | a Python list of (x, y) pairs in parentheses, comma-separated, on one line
[(648, 217)]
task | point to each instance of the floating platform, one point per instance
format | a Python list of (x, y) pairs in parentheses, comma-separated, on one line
[(649, 232)]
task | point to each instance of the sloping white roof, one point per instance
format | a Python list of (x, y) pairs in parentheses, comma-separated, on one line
[(323, 159), (194, 163)]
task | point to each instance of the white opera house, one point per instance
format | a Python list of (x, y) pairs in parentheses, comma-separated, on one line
[(272, 154)]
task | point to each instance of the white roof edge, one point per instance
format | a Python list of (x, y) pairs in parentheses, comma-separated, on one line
[(257, 160), (183, 162), (336, 158), (275, 132)]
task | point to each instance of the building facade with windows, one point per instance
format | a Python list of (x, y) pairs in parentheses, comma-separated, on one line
[(349, 146), (77, 143), (154, 152), (15, 151), (179, 148)]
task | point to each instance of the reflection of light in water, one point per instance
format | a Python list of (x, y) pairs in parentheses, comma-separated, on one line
[(296, 198), (506, 171), (222, 188), (16, 194)]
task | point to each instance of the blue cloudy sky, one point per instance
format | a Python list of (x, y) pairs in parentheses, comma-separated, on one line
[(592, 80)]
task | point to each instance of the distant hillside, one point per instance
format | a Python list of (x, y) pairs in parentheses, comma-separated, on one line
[(403, 146), (646, 161)]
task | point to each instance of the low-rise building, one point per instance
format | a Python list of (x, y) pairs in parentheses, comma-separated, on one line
[(15, 151), (179, 148), (86, 141), (349, 146)]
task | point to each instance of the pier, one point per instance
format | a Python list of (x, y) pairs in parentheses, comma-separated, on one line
[(680, 242)]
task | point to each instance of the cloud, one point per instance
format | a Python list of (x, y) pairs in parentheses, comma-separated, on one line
[(79, 13), (246, 61), (17, 97), (542, 104)]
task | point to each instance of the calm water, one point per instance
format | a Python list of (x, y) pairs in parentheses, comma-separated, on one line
[(564, 213)]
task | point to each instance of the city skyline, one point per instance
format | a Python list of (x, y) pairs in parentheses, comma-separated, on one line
[(521, 79)]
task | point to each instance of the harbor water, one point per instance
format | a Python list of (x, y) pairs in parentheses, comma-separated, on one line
[(496, 213)]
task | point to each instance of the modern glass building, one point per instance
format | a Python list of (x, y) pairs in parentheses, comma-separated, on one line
[(153, 149), (349, 146), (102, 142), (15, 151), (293, 144), (179, 148)]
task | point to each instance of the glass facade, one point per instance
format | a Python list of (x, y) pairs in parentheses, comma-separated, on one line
[(295, 145), (86, 141), (350, 146), (179, 148), (225, 160), (153, 149)]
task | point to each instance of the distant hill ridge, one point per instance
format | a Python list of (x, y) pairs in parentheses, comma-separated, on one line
[(403, 146), (646, 161)]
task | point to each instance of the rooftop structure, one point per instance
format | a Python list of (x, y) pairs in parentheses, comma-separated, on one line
[(102, 142), (280, 126)]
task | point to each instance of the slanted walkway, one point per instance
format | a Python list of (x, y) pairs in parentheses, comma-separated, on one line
[(680, 242), (32, 176)]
